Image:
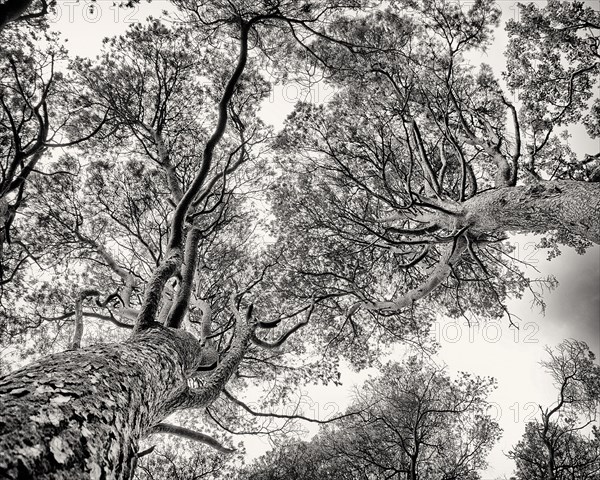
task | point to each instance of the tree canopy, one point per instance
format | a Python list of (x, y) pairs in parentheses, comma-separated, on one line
[(164, 252), (411, 422)]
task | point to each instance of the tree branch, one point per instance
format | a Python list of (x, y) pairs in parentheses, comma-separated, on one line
[(215, 383), (280, 341), (173, 257), (245, 407), (190, 435), (78, 332), (451, 256)]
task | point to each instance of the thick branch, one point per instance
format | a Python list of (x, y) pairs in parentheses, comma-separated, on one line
[(451, 255), (78, 332), (190, 435), (182, 299), (182, 208), (517, 150), (281, 340), (565, 205), (215, 383), (429, 175)]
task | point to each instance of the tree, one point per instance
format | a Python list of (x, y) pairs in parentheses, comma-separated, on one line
[(555, 447), (412, 422), (199, 461), (410, 177), (82, 412)]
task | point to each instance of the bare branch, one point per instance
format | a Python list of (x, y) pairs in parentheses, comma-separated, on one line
[(288, 417)]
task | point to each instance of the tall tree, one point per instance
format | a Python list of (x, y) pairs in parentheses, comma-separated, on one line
[(405, 183), (149, 229), (556, 446)]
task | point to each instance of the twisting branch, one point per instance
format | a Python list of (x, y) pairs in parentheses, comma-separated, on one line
[(451, 255), (182, 299), (190, 435), (242, 157), (174, 255), (216, 381), (417, 258), (280, 341)]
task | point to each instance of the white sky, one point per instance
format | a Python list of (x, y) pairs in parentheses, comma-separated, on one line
[(573, 308)]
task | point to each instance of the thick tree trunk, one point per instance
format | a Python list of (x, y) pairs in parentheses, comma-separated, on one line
[(81, 413), (559, 205)]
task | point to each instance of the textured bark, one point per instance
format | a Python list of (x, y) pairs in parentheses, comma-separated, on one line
[(81, 413), (182, 298), (215, 383), (559, 205)]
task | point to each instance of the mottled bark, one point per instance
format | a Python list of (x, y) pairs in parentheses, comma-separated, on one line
[(215, 383), (539, 208), (81, 413)]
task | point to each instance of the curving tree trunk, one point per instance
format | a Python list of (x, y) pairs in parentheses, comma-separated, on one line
[(81, 413)]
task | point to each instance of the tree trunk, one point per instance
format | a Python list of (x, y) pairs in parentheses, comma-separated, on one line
[(3, 222), (412, 474), (550, 463), (558, 205), (81, 413)]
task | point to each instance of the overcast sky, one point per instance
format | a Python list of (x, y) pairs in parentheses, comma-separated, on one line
[(512, 357)]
